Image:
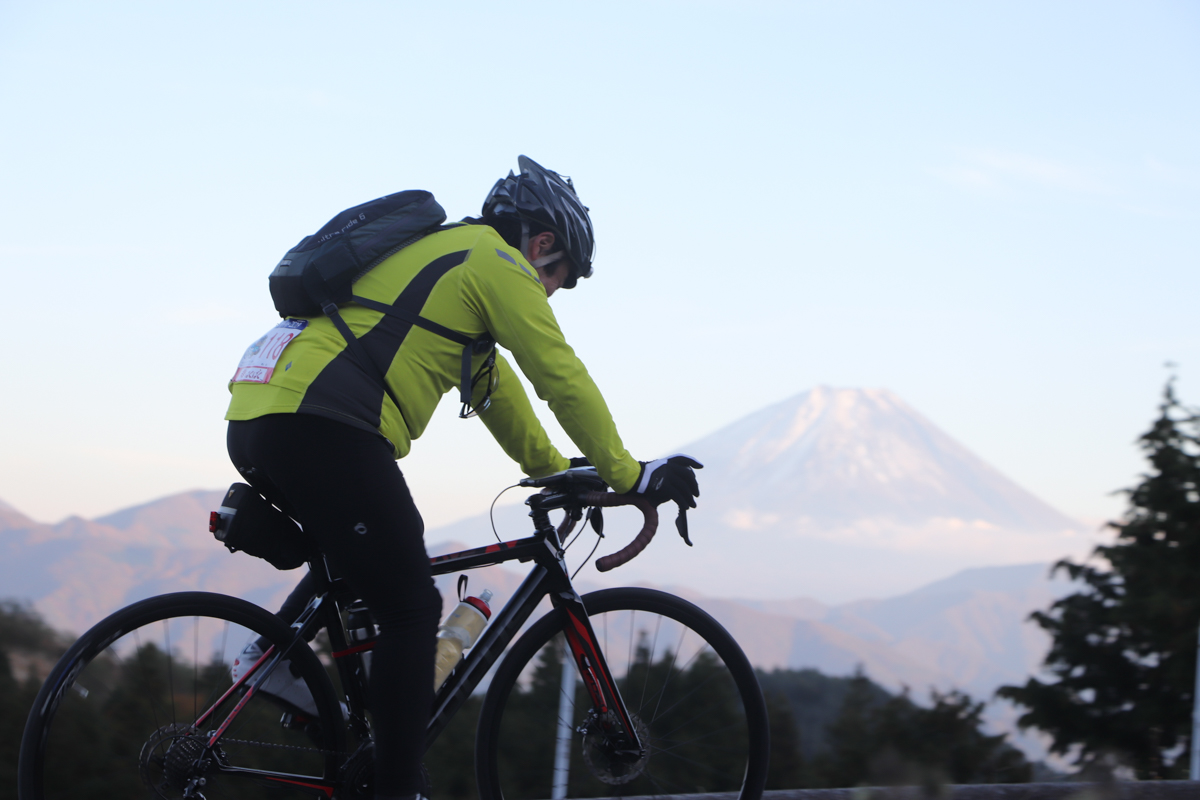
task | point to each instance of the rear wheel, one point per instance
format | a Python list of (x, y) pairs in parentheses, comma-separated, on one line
[(123, 713), (691, 692)]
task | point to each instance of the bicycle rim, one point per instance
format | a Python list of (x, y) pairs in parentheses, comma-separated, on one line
[(693, 697), (118, 715)]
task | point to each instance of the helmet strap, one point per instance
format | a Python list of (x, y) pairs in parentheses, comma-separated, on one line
[(547, 260)]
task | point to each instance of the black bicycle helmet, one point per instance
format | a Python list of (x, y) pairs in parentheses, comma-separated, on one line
[(543, 196)]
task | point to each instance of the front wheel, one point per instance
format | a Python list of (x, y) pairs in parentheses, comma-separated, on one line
[(691, 693), (123, 713)]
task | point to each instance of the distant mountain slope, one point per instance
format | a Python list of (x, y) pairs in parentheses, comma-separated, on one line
[(968, 630), (11, 519), (77, 571), (180, 520)]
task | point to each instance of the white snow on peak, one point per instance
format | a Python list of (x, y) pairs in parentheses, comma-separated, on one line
[(841, 454)]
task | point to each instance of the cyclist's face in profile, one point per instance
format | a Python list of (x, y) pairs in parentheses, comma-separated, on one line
[(553, 281), (552, 275)]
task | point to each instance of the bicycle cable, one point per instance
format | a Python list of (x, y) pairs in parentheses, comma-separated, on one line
[(492, 511), (596, 546), (578, 533)]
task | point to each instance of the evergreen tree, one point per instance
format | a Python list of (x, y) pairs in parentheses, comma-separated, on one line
[(815, 699), (787, 768), (849, 739), (898, 742), (1124, 648), (22, 633), (12, 722)]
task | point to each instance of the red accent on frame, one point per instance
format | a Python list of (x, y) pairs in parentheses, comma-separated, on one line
[(581, 633), (358, 648), (489, 549), (200, 720), (328, 790)]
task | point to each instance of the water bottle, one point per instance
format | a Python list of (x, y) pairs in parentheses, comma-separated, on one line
[(361, 629), (457, 633)]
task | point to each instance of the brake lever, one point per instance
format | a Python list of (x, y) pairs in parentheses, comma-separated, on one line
[(681, 526), (596, 517)]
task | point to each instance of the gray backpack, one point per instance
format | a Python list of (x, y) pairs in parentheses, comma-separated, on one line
[(318, 275)]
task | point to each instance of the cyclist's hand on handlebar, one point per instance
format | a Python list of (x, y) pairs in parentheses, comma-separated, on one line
[(669, 478), (580, 461)]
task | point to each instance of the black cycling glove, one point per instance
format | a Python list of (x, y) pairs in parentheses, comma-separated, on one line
[(669, 478), (580, 461)]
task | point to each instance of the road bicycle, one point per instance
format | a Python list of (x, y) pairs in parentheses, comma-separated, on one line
[(620, 692)]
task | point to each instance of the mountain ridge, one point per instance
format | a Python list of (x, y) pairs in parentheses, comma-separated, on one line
[(965, 629)]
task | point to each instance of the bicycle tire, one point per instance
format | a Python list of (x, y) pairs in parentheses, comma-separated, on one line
[(104, 725), (698, 706)]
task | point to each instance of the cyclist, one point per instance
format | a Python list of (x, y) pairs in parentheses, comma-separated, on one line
[(319, 436)]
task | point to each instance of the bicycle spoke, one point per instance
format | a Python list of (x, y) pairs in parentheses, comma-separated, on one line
[(170, 672), (670, 670), (632, 628), (195, 667), (653, 649), (685, 742)]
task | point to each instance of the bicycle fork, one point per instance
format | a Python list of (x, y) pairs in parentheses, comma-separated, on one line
[(609, 710)]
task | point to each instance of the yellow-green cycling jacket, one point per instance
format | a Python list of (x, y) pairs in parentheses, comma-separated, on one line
[(469, 280)]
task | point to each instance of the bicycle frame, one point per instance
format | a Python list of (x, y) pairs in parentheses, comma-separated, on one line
[(549, 577)]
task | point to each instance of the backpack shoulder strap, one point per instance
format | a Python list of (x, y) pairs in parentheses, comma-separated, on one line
[(358, 351), (471, 346)]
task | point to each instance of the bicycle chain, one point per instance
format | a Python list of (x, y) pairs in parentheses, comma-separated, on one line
[(280, 746)]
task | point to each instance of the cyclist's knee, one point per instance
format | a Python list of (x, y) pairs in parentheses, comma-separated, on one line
[(412, 610)]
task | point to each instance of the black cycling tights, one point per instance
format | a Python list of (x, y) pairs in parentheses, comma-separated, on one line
[(343, 486)]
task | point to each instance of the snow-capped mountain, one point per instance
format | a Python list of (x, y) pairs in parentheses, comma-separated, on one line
[(829, 458)]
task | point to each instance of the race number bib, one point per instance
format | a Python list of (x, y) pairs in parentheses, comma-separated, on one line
[(258, 363)]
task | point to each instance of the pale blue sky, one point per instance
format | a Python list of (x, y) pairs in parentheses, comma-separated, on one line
[(992, 209)]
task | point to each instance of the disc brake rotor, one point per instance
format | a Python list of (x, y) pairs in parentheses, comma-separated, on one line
[(609, 766)]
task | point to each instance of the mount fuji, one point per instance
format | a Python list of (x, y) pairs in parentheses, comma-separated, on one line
[(836, 494)]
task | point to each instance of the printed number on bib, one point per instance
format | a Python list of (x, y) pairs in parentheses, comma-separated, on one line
[(258, 363)]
